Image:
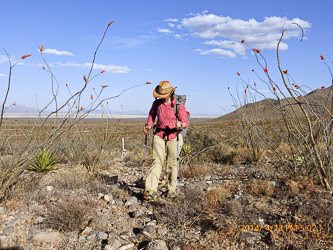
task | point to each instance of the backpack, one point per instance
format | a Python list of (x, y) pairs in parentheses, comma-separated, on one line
[(179, 99)]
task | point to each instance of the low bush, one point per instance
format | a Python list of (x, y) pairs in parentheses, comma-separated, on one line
[(45, 161), (70, 213)]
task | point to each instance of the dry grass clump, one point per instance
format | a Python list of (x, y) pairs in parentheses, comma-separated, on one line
[(224, 154), (260, 188), (216, 196), (185, 211), (194, 172), (70, 213)]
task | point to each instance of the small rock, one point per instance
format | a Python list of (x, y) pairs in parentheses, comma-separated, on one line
[(98, 248), (108, 247), (32, 230), (49, 188), (8, 230), (107, 197), (86, 231), (102, 236), (131, 199), (100, 195), (70, 234), (125, 235), (82, 238), (149, 229), (133, 206), (157, 245), (113, 242), (162, 231), (129, 246), (50, 237), (99, 222), (91, 237)]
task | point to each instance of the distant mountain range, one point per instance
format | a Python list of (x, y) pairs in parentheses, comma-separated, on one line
[(19, 109)]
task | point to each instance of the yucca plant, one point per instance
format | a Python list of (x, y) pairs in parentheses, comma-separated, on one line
[(45, 161)]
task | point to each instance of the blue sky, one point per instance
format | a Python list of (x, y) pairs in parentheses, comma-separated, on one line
[(193, 44)]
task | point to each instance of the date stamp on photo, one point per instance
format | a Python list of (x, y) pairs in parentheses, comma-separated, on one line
[(279, 228)]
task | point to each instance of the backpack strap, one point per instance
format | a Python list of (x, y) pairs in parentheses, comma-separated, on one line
[(157, 103)]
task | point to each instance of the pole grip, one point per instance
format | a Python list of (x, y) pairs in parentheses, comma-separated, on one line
[(146, 135)]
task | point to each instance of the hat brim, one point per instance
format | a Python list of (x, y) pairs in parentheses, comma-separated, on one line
[(163, 96)]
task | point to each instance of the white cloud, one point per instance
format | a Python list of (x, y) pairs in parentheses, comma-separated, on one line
[(171, 25), (171, 20), (149, 70), (177, 36), (225, 33), (3, 59), (109, 68), (190, 14), (261, 35), (217, 52), (166, 31), (205, 11), (236, 46), (57, 53), (2, 75)]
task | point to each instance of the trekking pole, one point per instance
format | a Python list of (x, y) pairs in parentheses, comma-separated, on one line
[(144, 159), (177, 159)]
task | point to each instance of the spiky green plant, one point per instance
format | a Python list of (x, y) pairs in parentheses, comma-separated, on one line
[(45, 161)]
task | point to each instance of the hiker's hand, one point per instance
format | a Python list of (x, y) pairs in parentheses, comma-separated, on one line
[(146, 128), (178, 124)]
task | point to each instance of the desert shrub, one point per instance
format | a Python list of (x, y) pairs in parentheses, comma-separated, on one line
[(224, 154), (216, 196), (194, 172), (260, 188), (70, 213), (199, 140), (45, 161), (186, 209)]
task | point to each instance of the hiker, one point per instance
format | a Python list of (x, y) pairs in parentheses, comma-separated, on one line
[(165, 138)]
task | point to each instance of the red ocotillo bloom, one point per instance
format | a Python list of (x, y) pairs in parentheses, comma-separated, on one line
[(102, 71), (25, 56), (81, 108), (43, 67), (104, 86), (85, 78), (256, 50), (321, 57), (323, 87), (92, 97), (238, 73), (265, 70), (243, 41), (285, 71), (274, 88), (148, 82), (110, 22), (66, 85), (41, 48)]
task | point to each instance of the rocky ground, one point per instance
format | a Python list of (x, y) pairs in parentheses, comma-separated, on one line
[(229, 207)]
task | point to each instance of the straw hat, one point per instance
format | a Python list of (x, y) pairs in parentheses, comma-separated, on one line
[(164, 90)]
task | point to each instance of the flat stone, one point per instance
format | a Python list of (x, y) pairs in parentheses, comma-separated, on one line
[(99, 222), (86, 231), (100, 195), (162, 231), (49, 188), (8, 230), (82, 238), (49, 237), (157, 245), (131, 199), (92, 237), (102, 236), (126, 235), (113, 242), (149, 229), (134, 214), (133, 206)]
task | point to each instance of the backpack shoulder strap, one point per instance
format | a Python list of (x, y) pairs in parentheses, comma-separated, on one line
[(157, 104)]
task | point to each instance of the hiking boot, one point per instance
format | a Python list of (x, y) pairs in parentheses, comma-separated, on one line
[(171, 194), (150, 195)]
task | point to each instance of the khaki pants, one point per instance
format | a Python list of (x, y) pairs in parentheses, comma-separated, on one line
[(160, 148)]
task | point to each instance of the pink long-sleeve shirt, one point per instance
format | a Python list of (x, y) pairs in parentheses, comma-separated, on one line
[(167, 118)]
